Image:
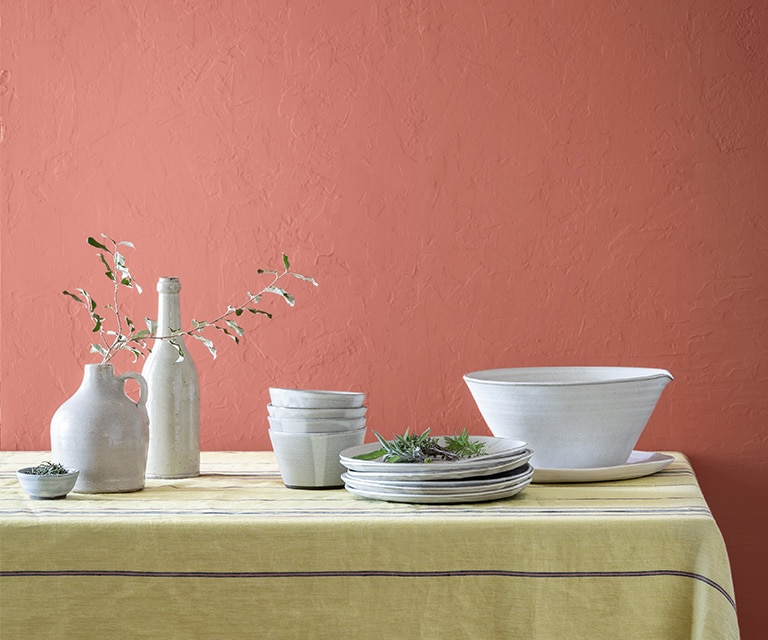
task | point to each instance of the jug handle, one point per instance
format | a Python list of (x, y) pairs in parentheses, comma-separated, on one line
[(131, 375)]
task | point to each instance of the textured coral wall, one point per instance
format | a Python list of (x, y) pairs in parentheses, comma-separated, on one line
[(474, 184)]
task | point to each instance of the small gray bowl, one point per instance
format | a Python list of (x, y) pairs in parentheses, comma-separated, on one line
[(51, 487)]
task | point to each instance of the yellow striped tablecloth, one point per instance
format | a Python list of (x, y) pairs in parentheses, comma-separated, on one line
[(235, 554)]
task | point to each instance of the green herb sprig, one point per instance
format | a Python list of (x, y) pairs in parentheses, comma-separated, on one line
[(423, 448)]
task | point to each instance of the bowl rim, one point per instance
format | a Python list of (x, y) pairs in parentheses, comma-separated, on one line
[(272, 405), (314, 434), (631, 374), (317, 392), (312, 420)]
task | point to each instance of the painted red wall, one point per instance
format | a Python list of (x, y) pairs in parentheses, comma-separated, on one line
[(473, 184)]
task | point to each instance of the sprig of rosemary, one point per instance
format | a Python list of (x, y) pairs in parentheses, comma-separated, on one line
[(412, 447), (464, 446)]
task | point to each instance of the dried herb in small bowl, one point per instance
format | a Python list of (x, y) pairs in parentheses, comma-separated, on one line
[(48, 469)]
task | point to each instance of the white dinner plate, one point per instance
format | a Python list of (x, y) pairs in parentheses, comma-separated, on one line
[(639, 464), (404, 471), (440, 487), (415, 498)]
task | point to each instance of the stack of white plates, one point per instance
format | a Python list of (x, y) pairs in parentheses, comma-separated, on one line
[(501, 472)]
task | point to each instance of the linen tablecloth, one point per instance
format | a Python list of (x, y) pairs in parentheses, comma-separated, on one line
[(234, 553)]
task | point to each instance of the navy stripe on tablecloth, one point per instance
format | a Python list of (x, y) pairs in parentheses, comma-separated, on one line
[(374, 574)]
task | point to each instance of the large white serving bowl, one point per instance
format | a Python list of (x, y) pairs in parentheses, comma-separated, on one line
[(311, 398), (311, 460), (315, 425), (572, 417), (292, 413)]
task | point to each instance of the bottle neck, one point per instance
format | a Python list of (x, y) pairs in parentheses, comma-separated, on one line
[(169, 308)]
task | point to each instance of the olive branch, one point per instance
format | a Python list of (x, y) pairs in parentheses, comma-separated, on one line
[(127, 336)]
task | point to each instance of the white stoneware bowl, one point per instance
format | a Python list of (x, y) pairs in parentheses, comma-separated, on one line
[(292, 413), (315, 425), (47, 487), (572, 417), (311, 460), (310, 398)]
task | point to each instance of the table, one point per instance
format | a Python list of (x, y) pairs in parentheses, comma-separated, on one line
[(234, 553)]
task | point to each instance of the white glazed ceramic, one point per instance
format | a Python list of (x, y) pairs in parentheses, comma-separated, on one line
[(499, 452), (421, 497), (443, 487), (292, 413), (639, 465), (316, 425), (572, 417), (102, 432), (310, 398), (311, 460), (173, 404), (49, 487)]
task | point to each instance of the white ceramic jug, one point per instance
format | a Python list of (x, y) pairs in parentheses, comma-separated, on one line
[(102, 432)]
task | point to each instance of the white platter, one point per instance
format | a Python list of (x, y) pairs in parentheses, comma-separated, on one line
[(440, 487), (638, 465)]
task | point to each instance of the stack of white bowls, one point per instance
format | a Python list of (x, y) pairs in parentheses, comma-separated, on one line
[(308, 430)]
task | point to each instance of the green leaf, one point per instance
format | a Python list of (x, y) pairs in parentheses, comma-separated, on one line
[(305, 278), (235, 327), (238, 312), (97, 320), (231, 335), (282, 292), (286, 264), (97, 348), (206, 342), (372, 455), (73, 296), (179, 349), (108, 272), (261, 311), (151, 325), (95, 243), (141, 335)]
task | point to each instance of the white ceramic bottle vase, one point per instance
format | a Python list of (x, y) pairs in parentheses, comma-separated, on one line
[(174, 395), (103, 432)]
